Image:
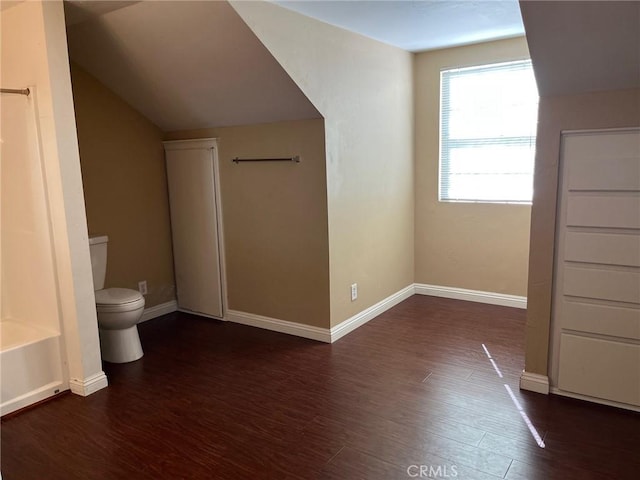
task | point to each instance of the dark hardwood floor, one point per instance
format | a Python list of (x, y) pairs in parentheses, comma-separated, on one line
[(411, 393)]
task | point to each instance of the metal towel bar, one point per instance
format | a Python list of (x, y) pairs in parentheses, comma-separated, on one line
[(295, 159)]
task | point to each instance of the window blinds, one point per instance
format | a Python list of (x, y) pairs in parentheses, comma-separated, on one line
[(488, 119)]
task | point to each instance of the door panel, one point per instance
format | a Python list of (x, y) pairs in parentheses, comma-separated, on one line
[(603, 211), (597, 367), (603, 319), (602, 284), (596, 304), (194, 226), (605, 248), (615, 174)]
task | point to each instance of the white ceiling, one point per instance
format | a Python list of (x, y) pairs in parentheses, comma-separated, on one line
[(418, 25), (196, 64)]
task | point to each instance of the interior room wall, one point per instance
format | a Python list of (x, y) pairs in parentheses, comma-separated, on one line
[(125, 188), (274, 219), (26, 28), (364, 90), (477, 246), (612, 109)]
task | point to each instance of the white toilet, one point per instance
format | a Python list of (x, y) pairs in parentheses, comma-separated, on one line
[(119, 310)]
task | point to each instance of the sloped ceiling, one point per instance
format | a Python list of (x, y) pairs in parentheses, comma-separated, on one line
[(184, 65), (77, 11), (579, 47), (419, 25)]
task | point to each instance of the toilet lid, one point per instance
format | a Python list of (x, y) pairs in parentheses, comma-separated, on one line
[(117, 296)]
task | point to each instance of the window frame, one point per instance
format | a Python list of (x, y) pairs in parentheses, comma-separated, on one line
[(490, 141)]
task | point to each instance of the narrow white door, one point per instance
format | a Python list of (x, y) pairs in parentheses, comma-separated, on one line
[(596, 312), (194, 225)]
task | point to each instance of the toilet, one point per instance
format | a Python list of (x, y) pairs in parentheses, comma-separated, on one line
[(119, 310)]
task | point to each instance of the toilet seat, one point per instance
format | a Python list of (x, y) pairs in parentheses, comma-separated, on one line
[(118, 300)]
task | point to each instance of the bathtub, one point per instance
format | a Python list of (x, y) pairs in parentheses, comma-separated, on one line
[(30, 367)]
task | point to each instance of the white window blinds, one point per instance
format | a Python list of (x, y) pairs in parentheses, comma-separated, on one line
[(488, 118)]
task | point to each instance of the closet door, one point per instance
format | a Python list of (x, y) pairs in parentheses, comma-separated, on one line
[(194, 225), (597, 283)]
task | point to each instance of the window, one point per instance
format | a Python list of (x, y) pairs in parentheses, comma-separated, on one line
[(488, 117)]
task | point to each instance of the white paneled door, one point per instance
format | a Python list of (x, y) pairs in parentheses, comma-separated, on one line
[(596, 312), (193, 200)]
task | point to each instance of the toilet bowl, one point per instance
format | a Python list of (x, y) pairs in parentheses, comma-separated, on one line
[(118, 310)]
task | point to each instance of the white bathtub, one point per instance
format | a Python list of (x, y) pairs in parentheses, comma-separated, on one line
[(30, 367)]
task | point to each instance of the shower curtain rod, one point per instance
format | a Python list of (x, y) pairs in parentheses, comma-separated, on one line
[(19, 91)]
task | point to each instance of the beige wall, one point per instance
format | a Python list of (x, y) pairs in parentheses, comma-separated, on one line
[(274, 219), (125, 188), (466, 245), (26, 28), (364, 90), (588, 111)]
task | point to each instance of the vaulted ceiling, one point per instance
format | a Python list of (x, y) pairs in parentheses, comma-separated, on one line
[(184, 65), (196, 64)]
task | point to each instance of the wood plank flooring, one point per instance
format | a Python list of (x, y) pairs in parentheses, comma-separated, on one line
[(412, 394)]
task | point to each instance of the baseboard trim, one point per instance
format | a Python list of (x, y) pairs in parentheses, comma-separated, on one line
[(88, 385), (600, 401), (335, 333), (317, 333), (350, 324), (491, 298), (534, 382), (281, 326), (159, 310)]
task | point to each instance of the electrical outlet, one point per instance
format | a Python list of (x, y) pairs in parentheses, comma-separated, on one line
[(354, 292), (142, 287)]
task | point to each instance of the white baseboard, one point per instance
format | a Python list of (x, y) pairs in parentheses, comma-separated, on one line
[(601, 401), (158, 310), (534, 382), (317, 333), (350, 324), (472, 295), (88, 385), (335, 333), (282, 326)]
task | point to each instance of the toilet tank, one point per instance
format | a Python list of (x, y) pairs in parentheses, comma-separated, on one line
[(98, 249)]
